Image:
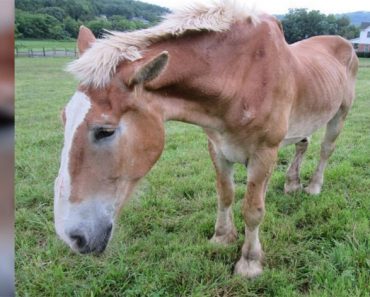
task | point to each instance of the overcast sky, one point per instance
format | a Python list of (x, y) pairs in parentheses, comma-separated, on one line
[(282, 6)]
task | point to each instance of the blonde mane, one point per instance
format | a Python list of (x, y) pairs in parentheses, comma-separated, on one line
[(98, 64)]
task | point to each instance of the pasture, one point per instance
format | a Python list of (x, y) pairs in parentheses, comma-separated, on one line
[(24, 44), (315, 245)]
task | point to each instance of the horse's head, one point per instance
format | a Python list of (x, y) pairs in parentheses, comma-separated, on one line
[(112, 137)]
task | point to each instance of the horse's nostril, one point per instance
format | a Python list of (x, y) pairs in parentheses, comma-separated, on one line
[(109, 229), (79, 239)]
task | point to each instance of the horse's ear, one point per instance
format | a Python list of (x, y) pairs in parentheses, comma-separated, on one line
[(150, 70), (85, 39)]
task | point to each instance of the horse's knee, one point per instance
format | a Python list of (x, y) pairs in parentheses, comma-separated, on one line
[(253, 214)]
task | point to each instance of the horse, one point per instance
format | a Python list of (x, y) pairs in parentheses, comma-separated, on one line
[(219, 66)]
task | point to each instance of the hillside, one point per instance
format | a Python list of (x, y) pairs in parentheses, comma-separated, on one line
[(60, 19), (358, 17), (88, 9)]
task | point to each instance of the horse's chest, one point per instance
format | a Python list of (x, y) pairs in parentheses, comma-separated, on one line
[(234, 153), (230, 150)]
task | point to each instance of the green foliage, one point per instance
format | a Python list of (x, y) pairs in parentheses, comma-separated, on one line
[(71, 26), (55, 12), (68, 15), (117, 23), (300, 24), (29, 25), (129, 9), (98, 26), (17, 34), (315, 245), (120, 23), (345, 29), (79, 10)]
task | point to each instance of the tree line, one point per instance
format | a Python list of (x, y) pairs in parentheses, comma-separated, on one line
[(300, 24), (61, 19)]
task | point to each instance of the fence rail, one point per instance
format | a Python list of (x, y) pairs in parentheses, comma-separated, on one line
[(68, 52), (46, 52)]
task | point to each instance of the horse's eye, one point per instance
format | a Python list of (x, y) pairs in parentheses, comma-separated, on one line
[(102, 133)]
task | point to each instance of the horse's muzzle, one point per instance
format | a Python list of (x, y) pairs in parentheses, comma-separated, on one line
[(86, 243)]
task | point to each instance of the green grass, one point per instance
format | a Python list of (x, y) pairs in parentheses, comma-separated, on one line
[(315, 246), (25, 44), (365, 62)]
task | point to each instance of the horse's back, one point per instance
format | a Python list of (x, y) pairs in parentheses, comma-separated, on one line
[(329, 52), (325, 72), (335, 45)]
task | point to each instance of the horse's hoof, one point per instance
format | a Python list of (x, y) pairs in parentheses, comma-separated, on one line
[(248, 268), (291, 188), (313, 189), (225, 239)]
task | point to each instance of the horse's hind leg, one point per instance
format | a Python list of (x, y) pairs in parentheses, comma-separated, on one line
[(333, 129), (292, 181), (225, 231)]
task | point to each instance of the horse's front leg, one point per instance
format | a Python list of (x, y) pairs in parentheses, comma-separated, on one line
[(225, 231), (259, 170)]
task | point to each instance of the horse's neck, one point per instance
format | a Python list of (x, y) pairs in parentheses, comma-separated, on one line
[(176, 108), (210, 75), (185, 92)]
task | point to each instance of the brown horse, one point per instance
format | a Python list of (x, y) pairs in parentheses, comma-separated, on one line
[(221, 67)]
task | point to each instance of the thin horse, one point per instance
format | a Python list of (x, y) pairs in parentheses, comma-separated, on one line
[(224, 68)]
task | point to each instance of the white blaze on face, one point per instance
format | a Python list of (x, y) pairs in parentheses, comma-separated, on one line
[(75, 112)]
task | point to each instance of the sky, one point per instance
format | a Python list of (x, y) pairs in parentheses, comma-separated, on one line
[(282, 6)]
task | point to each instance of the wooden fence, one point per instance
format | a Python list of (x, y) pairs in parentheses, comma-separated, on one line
[(45, 52), (58, 52)]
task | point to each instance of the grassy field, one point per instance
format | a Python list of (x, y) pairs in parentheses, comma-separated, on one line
[(315, 246), (25, 44)]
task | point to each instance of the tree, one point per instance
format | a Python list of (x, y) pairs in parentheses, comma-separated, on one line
[(17, 34), (98, 26), (38, 25), (79, 10), (71, 26), (56, 12), (345, 28), (299, 24), (62, 18), (120, 23)]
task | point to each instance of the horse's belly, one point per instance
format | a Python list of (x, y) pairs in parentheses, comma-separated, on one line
[(305, 125)]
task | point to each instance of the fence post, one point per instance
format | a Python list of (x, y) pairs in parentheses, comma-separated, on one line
[(45, 52)]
